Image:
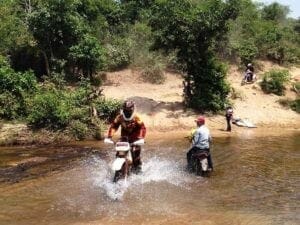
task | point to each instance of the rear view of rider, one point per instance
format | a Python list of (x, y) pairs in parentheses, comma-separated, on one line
[(249, 73), (132, 129), (200, 142)]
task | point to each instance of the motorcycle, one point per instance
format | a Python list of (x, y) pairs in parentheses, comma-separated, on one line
[(122, 164), (249, 78), (199, 163)]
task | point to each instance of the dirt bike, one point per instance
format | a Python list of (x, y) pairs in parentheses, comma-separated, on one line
[(122, 164), (248, 78), (199, 163)]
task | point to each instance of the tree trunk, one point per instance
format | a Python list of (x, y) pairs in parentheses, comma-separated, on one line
[(46, 63)]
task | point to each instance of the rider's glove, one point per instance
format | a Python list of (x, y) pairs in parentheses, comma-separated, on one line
[(108, 141), (141, 141)]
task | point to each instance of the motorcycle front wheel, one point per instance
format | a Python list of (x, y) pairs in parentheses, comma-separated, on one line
[(117, 176), (122, 173)]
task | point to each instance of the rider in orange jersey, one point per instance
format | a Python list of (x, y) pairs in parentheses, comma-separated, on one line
[(132, 129)]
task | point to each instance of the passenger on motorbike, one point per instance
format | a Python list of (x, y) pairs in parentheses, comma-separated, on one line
[(249, 75), (200, 142), (132, 129)]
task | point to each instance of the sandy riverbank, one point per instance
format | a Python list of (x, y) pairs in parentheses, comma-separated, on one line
[(160, 107)]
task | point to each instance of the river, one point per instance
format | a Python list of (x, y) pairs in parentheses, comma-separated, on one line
[(256, 181)]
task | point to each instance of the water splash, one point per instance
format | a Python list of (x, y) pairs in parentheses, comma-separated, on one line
[(155, 169)]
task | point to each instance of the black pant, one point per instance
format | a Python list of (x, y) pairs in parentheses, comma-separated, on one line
[(194, 150), (228, 119), (136, 157)]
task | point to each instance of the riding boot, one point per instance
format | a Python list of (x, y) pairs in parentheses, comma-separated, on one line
[(210, 163), (137, 163)]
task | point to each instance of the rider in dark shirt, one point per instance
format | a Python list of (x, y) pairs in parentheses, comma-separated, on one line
[(249, 75)]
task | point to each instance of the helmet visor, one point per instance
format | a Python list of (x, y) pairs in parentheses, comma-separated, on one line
[(127, 112)]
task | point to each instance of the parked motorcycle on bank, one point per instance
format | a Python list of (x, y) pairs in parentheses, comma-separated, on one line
[(122, 164)]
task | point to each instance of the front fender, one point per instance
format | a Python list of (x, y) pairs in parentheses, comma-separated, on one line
[(118, 163)]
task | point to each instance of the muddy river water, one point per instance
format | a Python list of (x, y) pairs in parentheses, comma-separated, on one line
[(256, 181)]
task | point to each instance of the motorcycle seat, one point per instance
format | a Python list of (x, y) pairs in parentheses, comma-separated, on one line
[(200, 155)]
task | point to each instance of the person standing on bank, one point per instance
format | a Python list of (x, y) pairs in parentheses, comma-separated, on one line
[(200, 142), (228, 116)]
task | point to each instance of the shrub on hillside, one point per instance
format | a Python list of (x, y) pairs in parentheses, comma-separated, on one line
[(50, 109), (15, 88), (78, 129), (154, 73), (247, 51), (9, 106), (274, 81), (295, 105), (107, 109), (117, 54)]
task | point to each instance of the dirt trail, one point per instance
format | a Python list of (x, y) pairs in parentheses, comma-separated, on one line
[(161, 108)]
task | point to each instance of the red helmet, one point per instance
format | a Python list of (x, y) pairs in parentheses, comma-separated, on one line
[(200, 120), (128, 109)]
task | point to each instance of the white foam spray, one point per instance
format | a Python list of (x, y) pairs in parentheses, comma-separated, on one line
[(154, 169)]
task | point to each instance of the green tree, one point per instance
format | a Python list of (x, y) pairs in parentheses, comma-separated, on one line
[(87, 55), (15, 89), (240, 42), (135, 9), (275, 12), (191, 29), (13, 29), (56, 25)]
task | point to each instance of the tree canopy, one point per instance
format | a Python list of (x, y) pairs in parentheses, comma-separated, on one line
[(73, 40)]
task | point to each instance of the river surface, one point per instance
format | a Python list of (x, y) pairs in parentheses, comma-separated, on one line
[(256, 181)]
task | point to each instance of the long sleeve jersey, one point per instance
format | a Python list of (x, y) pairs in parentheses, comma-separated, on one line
[(133, 129)]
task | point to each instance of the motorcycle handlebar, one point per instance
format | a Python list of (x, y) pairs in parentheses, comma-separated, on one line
[(138, 142)]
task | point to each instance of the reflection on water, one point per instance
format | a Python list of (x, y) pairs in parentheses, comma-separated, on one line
[(256, 181)]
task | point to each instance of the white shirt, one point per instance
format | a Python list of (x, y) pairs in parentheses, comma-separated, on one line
[(201, 137)]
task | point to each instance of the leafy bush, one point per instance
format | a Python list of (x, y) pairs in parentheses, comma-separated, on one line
[(50, 109), (97, 128), (97, 79), (15, 88), (117, 54), (274, 81), (9, 106), (247, 51), (153, 74), (295, 105), (107, 108), (15, 82), (78, 129)]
